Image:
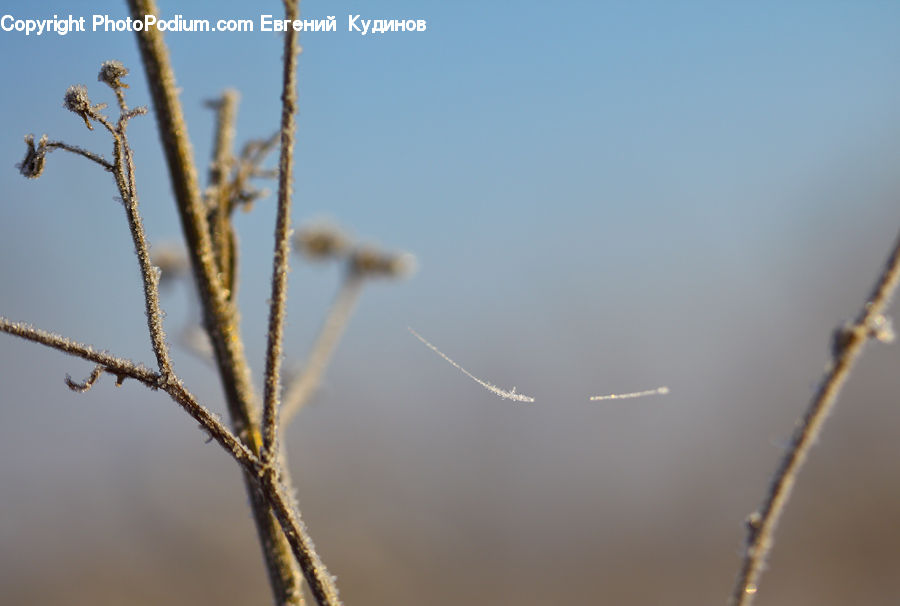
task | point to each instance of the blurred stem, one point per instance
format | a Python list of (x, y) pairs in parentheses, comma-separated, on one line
[(218, 192), (300, 390), (849, 342)]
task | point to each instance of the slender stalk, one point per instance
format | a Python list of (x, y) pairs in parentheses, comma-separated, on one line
[(81, 152), (218, 192), (281, 255), (113, 364), (320, 581), (300, 390), (263, 478), (220, 315), (849, 342), (122, 368), (124, 171)]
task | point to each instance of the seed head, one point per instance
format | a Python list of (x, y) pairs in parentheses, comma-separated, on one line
[(77, 101), (33, 164), (320, 242), (111, 72), (367, 261)]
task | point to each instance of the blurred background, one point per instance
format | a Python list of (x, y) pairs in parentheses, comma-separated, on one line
[(602, 197)]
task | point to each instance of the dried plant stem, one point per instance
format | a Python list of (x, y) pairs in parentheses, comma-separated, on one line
[(264, 478), (81, 152), (281, 255), (124, 171), (220, 315), (298, 392), (218, 193), (113, 364), (848, 345), (320, 581), (122, 367), (87, 383), (223, 145)]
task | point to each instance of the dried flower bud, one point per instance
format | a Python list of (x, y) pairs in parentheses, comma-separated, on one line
[(77, 101), (366, 261), (33, 164), (321, 242), (110, 72)]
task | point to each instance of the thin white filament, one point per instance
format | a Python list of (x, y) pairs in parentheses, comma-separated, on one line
[(509, 395), (659, 391)]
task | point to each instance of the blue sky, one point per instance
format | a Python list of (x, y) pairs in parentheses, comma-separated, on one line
[(559, 172), (580, 174)]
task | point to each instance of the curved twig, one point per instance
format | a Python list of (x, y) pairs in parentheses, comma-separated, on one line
[(87, 383), (847, 347)]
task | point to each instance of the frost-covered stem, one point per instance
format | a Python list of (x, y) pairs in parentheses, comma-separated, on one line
[(218, 193), (223, 144), (123, 368), (113, 364), (124, 171), (320, 581), (81, 152), (303, 386), (220, 316), (848, 345), (282, 252), (262, 478)]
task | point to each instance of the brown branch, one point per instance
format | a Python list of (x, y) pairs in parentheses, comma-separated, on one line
[(263, 478), (218, 194), (122, 367), (849, 342), (281, 254), (87, 383), (320, 581), (81, 152), (113, 364), (248, 167), (220, 316), (124, 171)]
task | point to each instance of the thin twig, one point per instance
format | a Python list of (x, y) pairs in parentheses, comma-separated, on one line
[(122, 367), (321, 583), (219, 432), (81, 152), (87, 383), (124, 170), (248, 167), (263, 477), (300, 389), (219, 313), (113, 364), (849, 342), (282, 252), (218, 193)]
